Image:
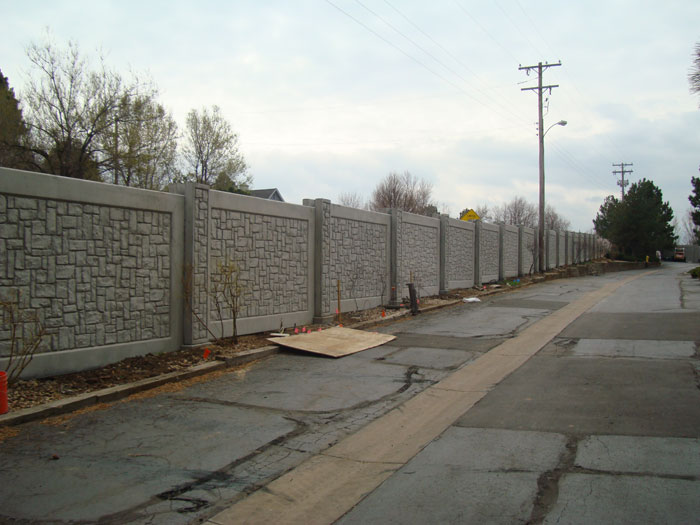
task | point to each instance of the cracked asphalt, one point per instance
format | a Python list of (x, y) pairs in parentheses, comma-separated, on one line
[(601, 425)]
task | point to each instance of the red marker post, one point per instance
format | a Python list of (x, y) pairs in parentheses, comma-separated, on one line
[(3, 393)]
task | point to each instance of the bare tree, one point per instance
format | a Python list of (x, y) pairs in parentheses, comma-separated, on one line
[(694, 74), (404, 192), (211, 151), (141, 149), (352, 200), (554, 221), (484, 212), (68, 107), (517, 211)]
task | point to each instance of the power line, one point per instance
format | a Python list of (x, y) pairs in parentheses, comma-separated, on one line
[(485, 31), (456, 59), (436, 59), (519, 120), (518, 29)]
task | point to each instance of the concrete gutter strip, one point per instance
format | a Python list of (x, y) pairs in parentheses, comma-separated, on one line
[(70, 404), (324, 487)]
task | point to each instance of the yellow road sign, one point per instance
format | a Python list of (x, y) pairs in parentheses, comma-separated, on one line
[(469, 215)]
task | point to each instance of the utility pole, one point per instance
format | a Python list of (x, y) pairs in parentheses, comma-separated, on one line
[(540, 67), (622, 182)]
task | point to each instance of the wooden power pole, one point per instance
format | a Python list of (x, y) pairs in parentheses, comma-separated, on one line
[(540, 68), (622, 182)]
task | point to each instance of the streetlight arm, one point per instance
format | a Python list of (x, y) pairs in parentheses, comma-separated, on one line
[(560, 123)]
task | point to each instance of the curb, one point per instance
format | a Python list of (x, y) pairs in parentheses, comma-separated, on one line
[(115, 393)]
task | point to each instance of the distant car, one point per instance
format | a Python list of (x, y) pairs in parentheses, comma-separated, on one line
[(679, 254)]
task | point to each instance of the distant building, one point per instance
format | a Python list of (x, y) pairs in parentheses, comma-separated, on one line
[(272, 194)]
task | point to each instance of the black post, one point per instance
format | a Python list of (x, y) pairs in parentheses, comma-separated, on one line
[(414, 298)]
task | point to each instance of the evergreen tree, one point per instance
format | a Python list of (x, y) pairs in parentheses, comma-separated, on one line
[(13, 130), (695, 212), (638, 225)]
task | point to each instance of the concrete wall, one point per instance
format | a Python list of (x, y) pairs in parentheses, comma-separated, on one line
[(577, 248), (100, 265), (528, 251), (692, 252), (417, 248), (359, 247), (115, 272), (550, 249), (509, 238), (457, 264), (561, 248), (272, 244), (488, 252)]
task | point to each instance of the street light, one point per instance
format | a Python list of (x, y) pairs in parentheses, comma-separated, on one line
[(560, 123), (540, 233)]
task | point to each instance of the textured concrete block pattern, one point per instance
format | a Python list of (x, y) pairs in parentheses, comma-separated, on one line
[(200, 276), (510, 247), (460, 254), (551, 249), (272, 256), (488, 252), (529, 251), (96, 275), (358, 258), (561, 253), (419, 249)]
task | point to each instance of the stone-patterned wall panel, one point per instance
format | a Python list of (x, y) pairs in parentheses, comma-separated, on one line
[(562, 248), (420, 249), (569, 248), (460, 254), (551, 249), (358, 258), (529, 250), (576, 248), (510, 244), (96, 275), (271, 254), (488, 254)]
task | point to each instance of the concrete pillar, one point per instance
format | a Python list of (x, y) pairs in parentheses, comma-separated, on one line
[(396, 239), (444, 225), (196, 262), (323, 310), (477, 253), (501, 251)]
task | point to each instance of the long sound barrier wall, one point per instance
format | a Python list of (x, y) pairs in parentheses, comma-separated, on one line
[(114, 272)]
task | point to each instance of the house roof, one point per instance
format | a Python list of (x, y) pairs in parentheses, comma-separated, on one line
[(270, 194)]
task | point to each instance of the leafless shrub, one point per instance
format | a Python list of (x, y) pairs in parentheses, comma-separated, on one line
[(187, 277), (24, 331), (226, 292)]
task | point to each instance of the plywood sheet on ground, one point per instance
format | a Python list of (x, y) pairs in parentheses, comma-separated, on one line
[(334, 342)]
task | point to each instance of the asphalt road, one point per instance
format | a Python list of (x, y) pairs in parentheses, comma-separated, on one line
[(600, 426), (598, 421)]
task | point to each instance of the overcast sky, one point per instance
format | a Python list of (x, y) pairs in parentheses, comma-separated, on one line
[(330, 96)]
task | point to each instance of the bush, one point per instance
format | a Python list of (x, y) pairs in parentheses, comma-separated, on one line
[(695, 273)]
